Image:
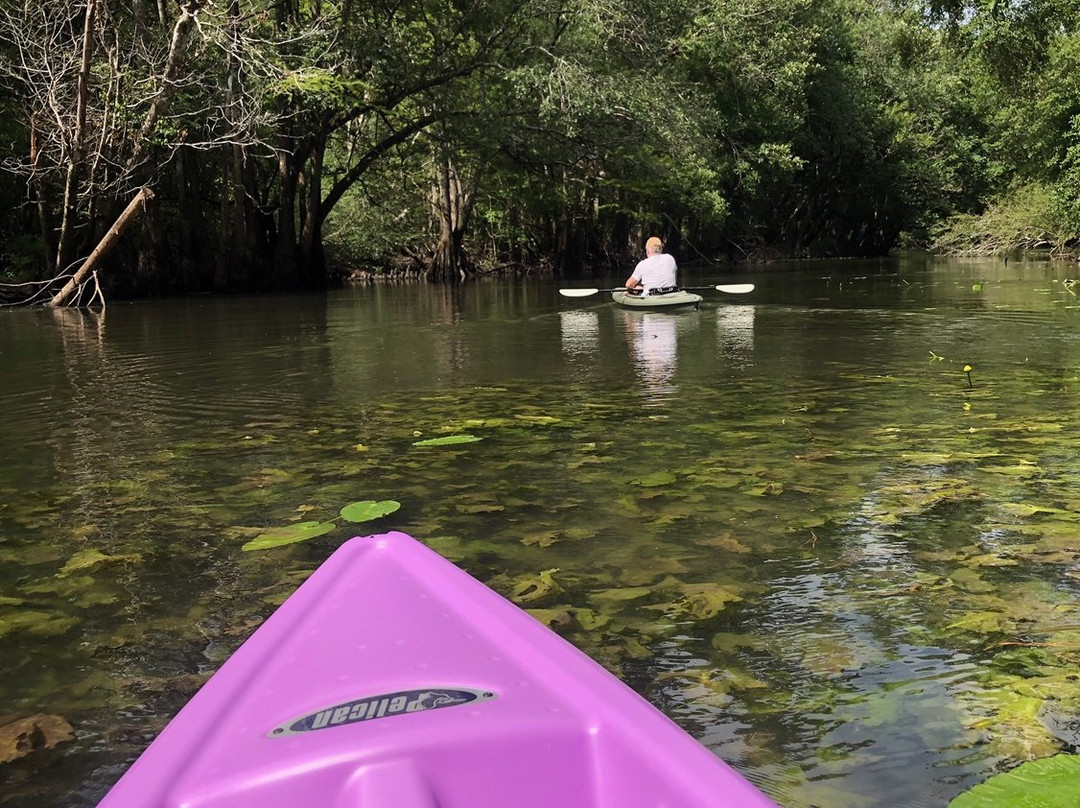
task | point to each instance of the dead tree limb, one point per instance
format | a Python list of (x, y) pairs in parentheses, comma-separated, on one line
[(106, 244)]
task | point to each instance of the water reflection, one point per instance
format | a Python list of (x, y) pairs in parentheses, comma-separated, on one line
[(580, 331), (735, 332), (654, 344)]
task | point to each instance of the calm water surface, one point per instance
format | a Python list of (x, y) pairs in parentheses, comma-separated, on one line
[(791, 520)]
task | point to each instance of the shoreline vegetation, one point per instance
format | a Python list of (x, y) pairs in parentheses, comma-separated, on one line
[(1023, 223), (248, 146)]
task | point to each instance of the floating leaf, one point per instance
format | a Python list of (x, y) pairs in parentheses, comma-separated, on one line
[(1052, 782), (368, 509), (289, 534), (448, 440)]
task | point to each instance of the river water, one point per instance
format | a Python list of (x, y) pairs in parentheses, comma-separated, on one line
[(831, 527)]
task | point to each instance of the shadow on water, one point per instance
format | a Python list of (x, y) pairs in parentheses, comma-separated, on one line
[(793, 522)]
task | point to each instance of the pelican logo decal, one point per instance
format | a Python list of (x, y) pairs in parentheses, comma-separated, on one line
[(381, 706)]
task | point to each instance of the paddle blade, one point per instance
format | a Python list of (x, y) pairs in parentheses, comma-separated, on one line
[(736, 288), (577, 292)]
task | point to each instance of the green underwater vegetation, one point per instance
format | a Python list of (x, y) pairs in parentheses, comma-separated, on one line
[(839, 573)]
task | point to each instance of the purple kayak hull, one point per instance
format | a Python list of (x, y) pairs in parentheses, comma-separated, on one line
[(393, 679)]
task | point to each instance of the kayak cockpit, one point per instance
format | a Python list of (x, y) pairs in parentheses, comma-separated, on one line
[(658, 299)]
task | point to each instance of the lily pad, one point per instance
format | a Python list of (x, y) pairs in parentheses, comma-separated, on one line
[(368, 509), (288, 534), (447, 440), (1052, 782)]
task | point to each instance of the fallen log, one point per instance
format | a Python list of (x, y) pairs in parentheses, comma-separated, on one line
[(103, 247)]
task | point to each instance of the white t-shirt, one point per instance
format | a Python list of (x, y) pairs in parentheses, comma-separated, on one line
[(656, 271)]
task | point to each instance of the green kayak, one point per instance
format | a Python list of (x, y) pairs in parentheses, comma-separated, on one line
[(676, 299)]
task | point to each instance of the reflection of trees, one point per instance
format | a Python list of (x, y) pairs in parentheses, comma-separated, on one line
[(420, 335), (131, 430), (106, 412)]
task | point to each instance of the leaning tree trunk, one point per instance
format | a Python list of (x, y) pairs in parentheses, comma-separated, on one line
[(103, 247)]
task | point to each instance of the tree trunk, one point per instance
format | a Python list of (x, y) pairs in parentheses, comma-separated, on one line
[(44, 220), (154, 262), (192, 235), (452, 206), (103, 246), (284, 259), (75, 159), (242, 243), (177, 50), (313, 261)]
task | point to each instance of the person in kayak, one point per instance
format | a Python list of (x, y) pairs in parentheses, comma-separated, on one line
[(656, 271)]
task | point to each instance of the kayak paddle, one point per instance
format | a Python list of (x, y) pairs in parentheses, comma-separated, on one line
[(731, 289)]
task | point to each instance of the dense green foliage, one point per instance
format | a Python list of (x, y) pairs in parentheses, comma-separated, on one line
[(482, 134)]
